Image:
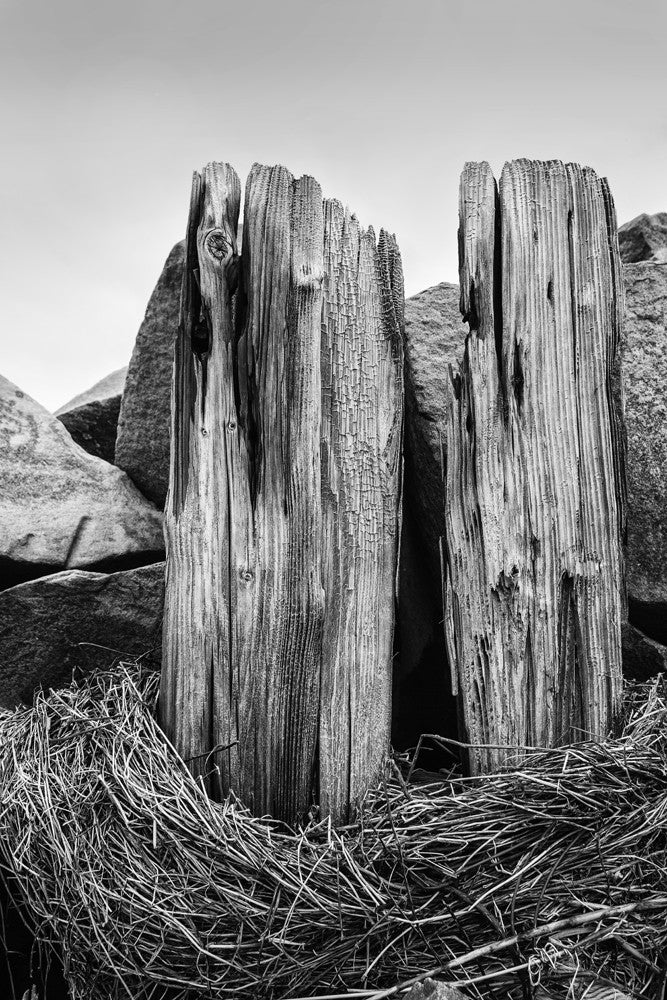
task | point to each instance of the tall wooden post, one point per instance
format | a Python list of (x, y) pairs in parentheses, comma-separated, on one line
[(534, 574), (362, 423), (283, 511)]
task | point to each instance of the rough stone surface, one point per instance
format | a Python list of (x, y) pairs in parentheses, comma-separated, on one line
[(92, 417), (108, 387), (434, 989), (61, 508), (642, 657), (435, 339), (44, 621), (142, 442), (645, 377), (644, 239)]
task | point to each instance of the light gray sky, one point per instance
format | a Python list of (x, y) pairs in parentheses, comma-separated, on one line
[(109, 105)]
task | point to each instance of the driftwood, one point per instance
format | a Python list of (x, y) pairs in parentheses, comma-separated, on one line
[(533, 568), (283, 511)]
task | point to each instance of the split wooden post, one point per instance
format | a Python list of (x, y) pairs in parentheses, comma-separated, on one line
[(362, 462), (534, 570), (283, 511)]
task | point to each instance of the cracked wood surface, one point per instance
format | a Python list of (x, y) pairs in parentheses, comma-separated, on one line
[(279, 601), (535, 512), (362, 420)]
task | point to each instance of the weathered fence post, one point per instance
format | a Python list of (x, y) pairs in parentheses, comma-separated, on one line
[(362, 422), (283, 511), (534, 574)]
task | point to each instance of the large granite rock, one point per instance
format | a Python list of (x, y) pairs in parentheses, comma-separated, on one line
[(642, 657), (645, 378), (435, 339), (144, 424), (61, 508), (644, 239), (76, 621), (92, 417)]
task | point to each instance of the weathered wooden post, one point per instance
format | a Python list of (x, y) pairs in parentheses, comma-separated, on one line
[(362, 432), (283, 512), (534, 575)]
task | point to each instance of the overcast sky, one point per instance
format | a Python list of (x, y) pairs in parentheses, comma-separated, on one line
[(108, 107)]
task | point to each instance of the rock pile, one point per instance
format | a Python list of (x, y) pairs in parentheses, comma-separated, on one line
[(60, 507), (92, 417), (81, 544)]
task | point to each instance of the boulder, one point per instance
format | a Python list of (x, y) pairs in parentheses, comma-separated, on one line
[(144, 424), (644, 239), (76, 620), (645, 379), (61, 508), (643, 658), (92, 417), (435, 339)]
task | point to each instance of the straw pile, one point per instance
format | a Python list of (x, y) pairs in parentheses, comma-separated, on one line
[(543, 881)]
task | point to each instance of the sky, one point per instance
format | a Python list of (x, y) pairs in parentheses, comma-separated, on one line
[(108, 107)]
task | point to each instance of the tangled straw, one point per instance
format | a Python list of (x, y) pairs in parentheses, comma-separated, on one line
[(539, 881)]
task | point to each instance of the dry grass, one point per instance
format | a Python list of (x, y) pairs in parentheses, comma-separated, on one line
[(545, 881)]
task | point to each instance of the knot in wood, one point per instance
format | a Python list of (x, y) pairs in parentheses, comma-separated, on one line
[(217, 244)]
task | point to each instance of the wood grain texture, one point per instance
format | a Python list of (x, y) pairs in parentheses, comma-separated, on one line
[(208, 490), (362, 423), (252, 604), (278, 618), (534, 571)]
